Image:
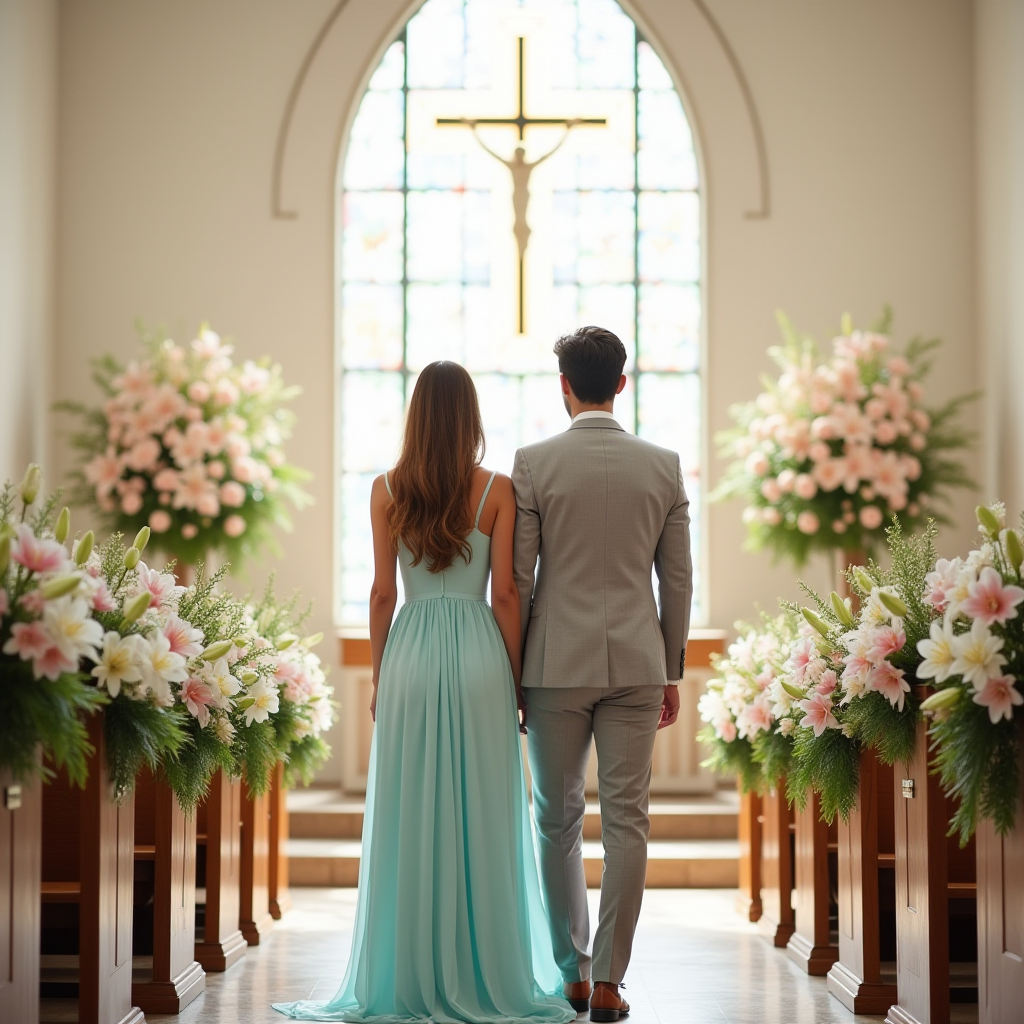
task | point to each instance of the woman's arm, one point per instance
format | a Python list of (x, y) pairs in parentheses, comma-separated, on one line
[(504, 592), (384, 592)]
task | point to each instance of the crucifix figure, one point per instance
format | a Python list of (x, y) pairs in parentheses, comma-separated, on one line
[(518, 165)]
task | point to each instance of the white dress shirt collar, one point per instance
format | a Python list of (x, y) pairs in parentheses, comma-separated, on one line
[(592, 414)]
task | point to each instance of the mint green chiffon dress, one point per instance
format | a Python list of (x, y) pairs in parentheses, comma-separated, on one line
[(450, 924)]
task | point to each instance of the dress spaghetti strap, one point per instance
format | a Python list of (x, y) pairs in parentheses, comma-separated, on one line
[(387, 484), (480, 507)]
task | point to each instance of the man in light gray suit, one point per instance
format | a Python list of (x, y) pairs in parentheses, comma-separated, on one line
[(598, 507)]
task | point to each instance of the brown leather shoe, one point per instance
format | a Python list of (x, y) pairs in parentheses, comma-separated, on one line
[(606, 1004), (578, 995)]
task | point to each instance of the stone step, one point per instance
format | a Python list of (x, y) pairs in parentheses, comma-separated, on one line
[(329, 814), (671, 864)]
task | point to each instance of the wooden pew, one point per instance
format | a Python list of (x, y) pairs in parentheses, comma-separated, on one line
[(934, 878), (814, 872), (21, 817), (280, 897), (87, 866), (218, 867), (255, 920), (748, 899), (165, 868), (867, 859), (1001, 918), (776, 922)]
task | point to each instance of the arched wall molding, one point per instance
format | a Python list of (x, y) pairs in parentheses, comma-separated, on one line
[(333, 74)]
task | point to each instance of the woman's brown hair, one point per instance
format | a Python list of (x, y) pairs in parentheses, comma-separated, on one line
[(432, 480)]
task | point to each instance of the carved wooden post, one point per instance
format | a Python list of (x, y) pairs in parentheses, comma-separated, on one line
[(776, 921), (811, 945), (1001, 918), (254, 906), (748, 900), (219, 823), (21, 831), (866, 848), (280, 897), (164, 833)]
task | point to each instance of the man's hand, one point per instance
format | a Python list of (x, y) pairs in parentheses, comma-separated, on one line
[(521, 704), (670, 706)]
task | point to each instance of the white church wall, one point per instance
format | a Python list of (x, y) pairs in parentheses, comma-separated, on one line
[(169, 116), (28, 124), (999, 58)]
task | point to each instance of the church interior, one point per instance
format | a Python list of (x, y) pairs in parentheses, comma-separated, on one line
[(327, 195)]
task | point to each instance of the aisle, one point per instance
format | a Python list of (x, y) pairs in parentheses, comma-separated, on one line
[(695, 961)]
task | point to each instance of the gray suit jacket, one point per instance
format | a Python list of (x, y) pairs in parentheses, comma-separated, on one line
[(599, 506)]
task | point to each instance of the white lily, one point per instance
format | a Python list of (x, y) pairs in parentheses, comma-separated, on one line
[(265, 701), (938, 651), (977, 655), (161, 667), (120, 662), (72, 628)]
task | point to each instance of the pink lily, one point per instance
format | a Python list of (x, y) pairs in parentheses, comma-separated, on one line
[(818, 714), (1000, 696), (888, 681), (35, 554), (989, 600)]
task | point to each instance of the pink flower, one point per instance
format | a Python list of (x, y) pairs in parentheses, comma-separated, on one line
[(805, 487), (193, 484), (199, 391), (989, 601), (224, 392), (232, 494), (131, 504), (35, 554), (189, 530), (1000, 696), (818, 713), (143, 455), (871, 517), (159, 521), (160, 585), (941, 582), (807, 522), (101, 599), (28, 640), (828, 682), (166, 480), (829, 473), (183, 637), (886, 432), (216, 469), (197, 697), (235, 526), (245, 470), (190, 447), (208, 504), (33, 602), (888, 681), (254, 378), (103, 471), (885, 641)]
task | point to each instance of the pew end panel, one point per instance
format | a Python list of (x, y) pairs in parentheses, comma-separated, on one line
[(777, 921)]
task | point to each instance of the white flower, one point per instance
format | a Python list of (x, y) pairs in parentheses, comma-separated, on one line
[(223, 729), (161, 667), (977, 655), (119, 662), (74, 632), (938, 651), (265, 701), (220, 680)]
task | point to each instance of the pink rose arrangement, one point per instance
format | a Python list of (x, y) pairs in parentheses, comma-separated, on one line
[(190, 444), (834, 448)]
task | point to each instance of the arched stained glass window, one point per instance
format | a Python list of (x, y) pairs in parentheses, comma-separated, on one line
[(433, 262)]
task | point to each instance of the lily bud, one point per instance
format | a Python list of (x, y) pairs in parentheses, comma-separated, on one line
[(987, 520), (5, 551), (30, 484), (794, 691), (141, 539), (241, 641), (135, 607), (842, 609), (942, 700), (245, 702), (312, 640), (63, 527), (1014, 550), (813, 619), (217, 650), (59, 586), (286, 641), (249, 677), (131, 558), (893, 604), (823, 646), (864, 581), (84, 549)]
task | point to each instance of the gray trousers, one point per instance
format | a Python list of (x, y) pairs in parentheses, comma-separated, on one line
[(623, 722)]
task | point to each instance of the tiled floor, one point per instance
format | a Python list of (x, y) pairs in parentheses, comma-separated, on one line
[(695, 960)]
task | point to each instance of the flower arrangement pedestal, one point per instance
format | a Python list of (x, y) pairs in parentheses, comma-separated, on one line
[(866, 850), (254, 915), (218, 849), (280, 897), (165, 836), (748, 899), (776, 922), (88, 861), (933, 876), (21, 817), (814, 843), (1001, 917)]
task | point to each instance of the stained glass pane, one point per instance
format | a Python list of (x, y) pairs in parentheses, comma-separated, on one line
[(376, 153), (544, 412), (372, 249), (371, 326), (606, 226), (611, 306), (669, 327), (501, 407), (435, 324), (605, 46), (372, 416), (390, 72), (665, 159), (669, 244), (356, 546), (434, 233), (437, 39), (651, 72), (670, 415)]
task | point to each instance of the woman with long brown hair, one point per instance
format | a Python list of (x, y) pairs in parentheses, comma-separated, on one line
[(450, 923)]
